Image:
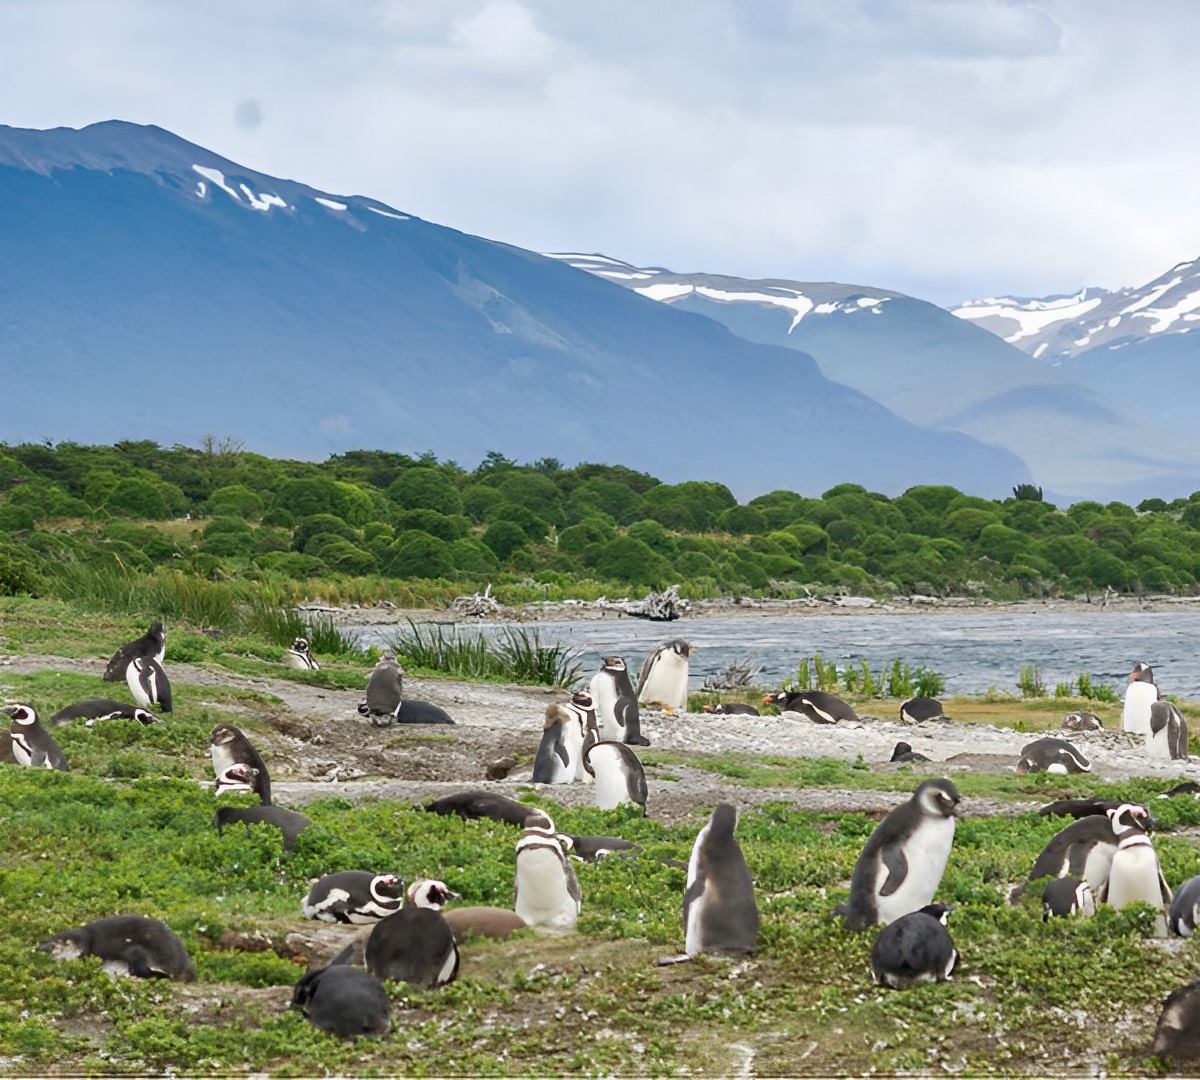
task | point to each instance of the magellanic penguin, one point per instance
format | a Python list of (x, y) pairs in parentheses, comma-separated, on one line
[(1082, 720), (919, 709), (415, 944), (594, 848), (618, 716), (1135, 873), (818, 706), (1185, 909), (560, 755), (385, 691), (618, 773), (1140, 694), (663, 679), (148, 683), (1078, 808), (238, 779), (904, 754), (300, 657), (288, 822), (354, 896), (1177, 1036), (128, 945), (32, 746), (152, 645), (1068, 896), (584, 707), (732, 708), (227, 746), (103, 709), (720, 913), (343, 1000), (486, 804), (901, 865), (914, 949), (1051, 756), (1168, 735), (547, 892)]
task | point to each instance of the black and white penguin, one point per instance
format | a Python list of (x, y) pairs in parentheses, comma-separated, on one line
[(1082, 720), (618, 716), (1078, 808), (547, 892), (148, 683), (1135, 874), (584, 707), (239, 779), (103, 709), (1140, 694), (1188, 787), (594, 848), (1051, 756), (914, 949), (32, 746), (288, 822), (818, 706), (1185, 909), (560, 754), (486, 804), (905, 754), (663, 679), (415, 945), (354, 896), (902, 862), (720, 913), (227, 746), (1084, 849), (1177, 1036), (732, 708), (300, 657), (1168, 735), (152, 645), (128, 945), (385, 691), (618, 774), (919, 709), (1068, 896), (343, 1000)]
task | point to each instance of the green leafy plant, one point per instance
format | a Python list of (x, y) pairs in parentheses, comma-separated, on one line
[(1029, 682)]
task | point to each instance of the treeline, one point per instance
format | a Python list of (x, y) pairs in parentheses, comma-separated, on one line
[(377, 515)]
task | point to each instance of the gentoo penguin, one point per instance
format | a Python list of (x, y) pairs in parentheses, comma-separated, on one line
[(905, 754), (618, 773), (547, 893), (343, 1000), (663, 679), (486, 804), (816, 705), (228, 746), (354, 896), (492, 922), (103, 709), (560, 754), (1084, 849), (148, 683), (31, 744), (1140, 694), (901, 865), (594, 848), (720, 914), (1082, 721), (1168, 735), (300, 657), (618, 717), (1135, 873), (415, 945), (1051, 756), (128, 945), (288, 822), (918, 709), (1185, 909), (1078, 808), (915, 949), (1068, 896), (385, 691), (239, 779), (152, 645), (732, 708), (1178, 1033)]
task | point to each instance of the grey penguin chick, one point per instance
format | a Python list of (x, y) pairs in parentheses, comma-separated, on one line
[(1051, 756), (128, 945), (663, 679), (618, 773), (1177, 1036), (31, 745), (1185, 909), (148, 683), (1068, 896), (559, 757), (914, 949), (343, 1000), (903, 753), (152, 645), (720, 913)]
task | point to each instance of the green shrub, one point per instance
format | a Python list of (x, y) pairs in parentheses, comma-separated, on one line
[(503, 538), (423, 488), (416, 554)]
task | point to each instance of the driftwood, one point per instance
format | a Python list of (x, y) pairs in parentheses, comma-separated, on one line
[(736, 676), (661, 607), (477, 604)]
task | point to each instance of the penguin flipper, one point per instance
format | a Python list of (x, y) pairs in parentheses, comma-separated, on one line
[(897, 868)]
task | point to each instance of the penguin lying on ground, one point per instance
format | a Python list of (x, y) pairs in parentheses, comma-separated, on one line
[(732, 708), (1068, 896), (905, 754), (1082, 721), (288, 822), (148, 683), (1135, 874), (103, 709), (1051, 756), (1168, 735), (1078, 808), (300, 657), (415, 944), (663, 679), (228, 746), (1188, 787), (919, 709), (547, 892), (914, 949), (618, 717), (816, 705), (30, 743), (1185, 909), (560, 754), (152, 645), (344, 1001), (720, 913), (486, 804), (128, 945), (354, 896), (594, 848), (1140, 694), (619, 776), (1177, 1035)]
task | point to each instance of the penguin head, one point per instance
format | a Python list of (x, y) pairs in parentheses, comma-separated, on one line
[(1141, 673), (239, 773), (1128, 819), (901, 748), (937, 798), (387, 886), (157, 630), (299, 645), (25, 715), (941, 912), (223, 734), (724, 820), (612, 663), (429, 893), (66, 945), (582, 699), (144, 716), (680, 647), (557, 714), (539, 822)]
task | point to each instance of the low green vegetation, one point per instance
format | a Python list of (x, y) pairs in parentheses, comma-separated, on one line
[(895, 680)]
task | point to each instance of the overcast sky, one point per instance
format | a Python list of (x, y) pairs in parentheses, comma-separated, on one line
[(943, 148)]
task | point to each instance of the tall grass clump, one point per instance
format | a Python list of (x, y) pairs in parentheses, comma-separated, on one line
[(1030, 683), (267, 618), (518, 655), (895, 680), (1095, 691)]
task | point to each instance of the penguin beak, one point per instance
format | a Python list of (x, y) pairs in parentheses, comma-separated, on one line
[(452, 895)]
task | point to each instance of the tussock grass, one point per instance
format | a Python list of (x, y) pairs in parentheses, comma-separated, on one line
[(517, 654)]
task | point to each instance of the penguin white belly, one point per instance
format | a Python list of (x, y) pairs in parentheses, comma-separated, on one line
[(926, 851), (1096, 866), (543, 899), (222, 757), (667, 682), (1135, 876), (692, 943), (604, 696), (134, 682), (296, 661), (1158, 744), (1135, 716), (612, 785)]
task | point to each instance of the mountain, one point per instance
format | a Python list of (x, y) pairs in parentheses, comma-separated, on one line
[(152, 289)]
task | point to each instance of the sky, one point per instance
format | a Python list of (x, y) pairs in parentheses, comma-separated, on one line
[(950, 149)]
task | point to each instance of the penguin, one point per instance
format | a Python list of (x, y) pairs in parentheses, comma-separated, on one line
[(618, 773), (414, 945), (152, 645), (1068, 896), (239, 779), (547, 892), (1078, 808), (816, 705), (491, 922), (1188, 787), (1084, 849), (594, 848), (618, 716), (32, 746), (905, 754), (228, 746), (344, 1001), (914, 949), (385, 691), (1135, 873), (560, 754), (1177, 1035), (663, 679), (1051, 756), (103, 709), (429, 893), (1082, 721), (584, 707), (919, 709), (421, 712), (732, 708), (720, 914), (1168, 734), (148, 683), (288, 822), (354, 896), (486, 804), (299, 656), (1185, 909), (1140, 694), (128, 945), (901, 865)]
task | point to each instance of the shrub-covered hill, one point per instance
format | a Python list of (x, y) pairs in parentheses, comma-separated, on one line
[(420, 528)]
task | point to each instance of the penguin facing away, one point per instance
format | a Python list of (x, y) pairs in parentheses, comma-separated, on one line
[(720, 913), (1177, 1035), (1051, 756), (33, 746), (904, 754), (663, 679), (1068, 896), (299, 656), (343, 1000), (919, 709), (354, 896), (103, 709), (1135, 873), (415, 945), (547, 892), (901, 865), (288, 822), (148, 683), (1140, 694), (128, 945), (152, 645), (1168, 734), (385, 691), (228, 746), (618, 773), (618, 716), (914, 949), (1185, 909), (560, 754)]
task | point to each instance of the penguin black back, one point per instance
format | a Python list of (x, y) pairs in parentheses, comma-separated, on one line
[(288, 822), (152, 645), (228, 745), (414, 945), (916, 948), (484, 804), (144, 947), (720, 913), (344, 1001)]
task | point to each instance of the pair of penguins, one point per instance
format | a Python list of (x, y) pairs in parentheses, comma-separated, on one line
[(1145, 713), (240, 769), (385, 701)]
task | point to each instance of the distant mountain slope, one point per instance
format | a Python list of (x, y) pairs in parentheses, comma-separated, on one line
[(153, 289)]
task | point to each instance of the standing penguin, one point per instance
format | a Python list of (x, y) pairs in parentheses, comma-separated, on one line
[(584, 707), (720, 914), (1168, 734), (343, 1000), (664, 676), (547, 892), (354, 896), (1177, 1036), (148, 683), (128, 945), (902, 862), (617, 714), (1051, 756), (32, 746), (1084, 849), (618, 773), (300, 657), (152, 645), (1185, 909), (1135, 873), (560, 755), (1140, 694), (227, 746), (385, 691), (1068, 896), (915, 949)]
